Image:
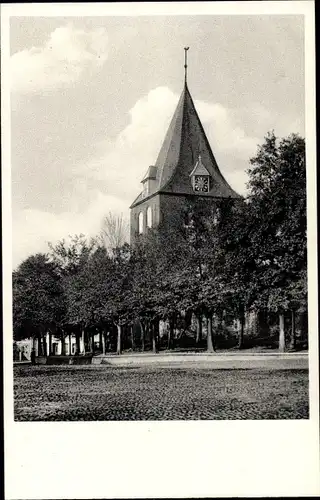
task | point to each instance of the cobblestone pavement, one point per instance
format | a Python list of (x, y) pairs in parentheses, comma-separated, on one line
[(64, 393)]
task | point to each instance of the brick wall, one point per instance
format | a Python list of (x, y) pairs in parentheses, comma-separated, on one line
[(167, 209)]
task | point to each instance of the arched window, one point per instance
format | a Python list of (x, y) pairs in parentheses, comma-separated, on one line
[(140, 223), (149, 217)]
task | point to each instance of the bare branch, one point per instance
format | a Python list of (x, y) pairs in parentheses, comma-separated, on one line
[(115, 231)]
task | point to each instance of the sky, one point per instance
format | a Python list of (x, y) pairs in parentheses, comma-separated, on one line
[(92, 97)]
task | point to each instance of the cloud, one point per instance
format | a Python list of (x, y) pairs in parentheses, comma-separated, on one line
[(60, 62), (33, 229), (223, 131)]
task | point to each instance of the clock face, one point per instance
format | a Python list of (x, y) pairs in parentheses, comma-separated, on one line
[(201, 183)]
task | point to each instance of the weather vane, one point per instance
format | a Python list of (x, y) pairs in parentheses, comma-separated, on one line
[(185, 63)]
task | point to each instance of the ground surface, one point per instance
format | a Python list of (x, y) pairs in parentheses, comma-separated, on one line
[(64, 393)]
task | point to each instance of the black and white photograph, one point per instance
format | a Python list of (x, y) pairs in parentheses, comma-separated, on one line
[(162, 185)]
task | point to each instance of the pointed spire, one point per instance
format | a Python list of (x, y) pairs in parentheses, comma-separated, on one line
[(184, 142), (185, 63)]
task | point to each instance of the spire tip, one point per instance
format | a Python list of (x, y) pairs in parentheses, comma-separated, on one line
[(185, 63)]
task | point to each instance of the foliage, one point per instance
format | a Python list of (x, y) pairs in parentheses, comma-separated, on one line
[(38, 296), (71, 255), (277, 205)]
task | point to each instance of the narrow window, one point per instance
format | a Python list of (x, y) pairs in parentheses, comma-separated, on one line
[(140, 223), (149, 217)]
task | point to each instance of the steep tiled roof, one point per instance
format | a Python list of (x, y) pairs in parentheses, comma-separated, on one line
[(184, 142)]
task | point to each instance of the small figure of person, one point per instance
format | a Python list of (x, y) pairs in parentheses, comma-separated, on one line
[(33, 357)]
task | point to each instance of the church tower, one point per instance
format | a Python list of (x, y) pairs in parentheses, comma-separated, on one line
[(185, 168)]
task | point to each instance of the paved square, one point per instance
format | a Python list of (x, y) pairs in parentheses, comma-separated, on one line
[(64, 393)]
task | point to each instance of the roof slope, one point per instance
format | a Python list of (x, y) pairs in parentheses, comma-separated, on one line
[(185, 140)]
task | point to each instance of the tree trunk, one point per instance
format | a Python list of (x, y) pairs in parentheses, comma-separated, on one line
[(154, 336), (223, 319), (33, 351), (119, 334), (100, 341), (104, 347), (92, 344), (157, 333), (154, 342), (170, 333), (187, 319), (241, 330), (256, 324), (293, 331), (199, 328), (63, 346), (70, 344), (282, 343), (133, 344), (83, 342), (50, 343), (78, 342), (142, 331), (39, 345), (44, 343), (210, 343)]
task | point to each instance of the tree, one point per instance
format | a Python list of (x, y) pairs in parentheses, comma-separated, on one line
[(193, 278), (278, 213), (38, 298), (71, 256), (239, 270), (86, 293), (117, 303), (145, 295)]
